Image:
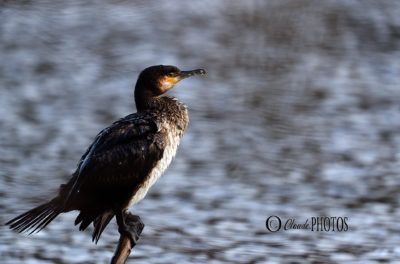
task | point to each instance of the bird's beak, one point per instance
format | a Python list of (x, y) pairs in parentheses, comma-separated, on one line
[(168, 82), (186, 74)]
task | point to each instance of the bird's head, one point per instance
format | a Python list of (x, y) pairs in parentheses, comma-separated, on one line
[(157, 80)]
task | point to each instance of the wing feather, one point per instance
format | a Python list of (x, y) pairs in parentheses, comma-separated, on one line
[(119, 157)]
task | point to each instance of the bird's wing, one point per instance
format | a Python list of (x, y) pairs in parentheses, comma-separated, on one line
[(120, 156)]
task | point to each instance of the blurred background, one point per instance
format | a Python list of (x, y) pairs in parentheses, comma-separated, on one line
[(299, 116)]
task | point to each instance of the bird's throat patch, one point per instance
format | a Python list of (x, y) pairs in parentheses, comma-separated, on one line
[(168, 82), (172, 80)]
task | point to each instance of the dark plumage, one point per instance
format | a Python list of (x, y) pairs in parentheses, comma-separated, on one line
[(123, 161)]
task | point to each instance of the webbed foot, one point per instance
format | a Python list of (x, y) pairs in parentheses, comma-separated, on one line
[(131, 227)]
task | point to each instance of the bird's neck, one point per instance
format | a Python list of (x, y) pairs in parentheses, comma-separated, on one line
[(145, 102), (144, 99)]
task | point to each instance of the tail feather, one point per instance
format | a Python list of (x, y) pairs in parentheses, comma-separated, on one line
[(30, 218), (100, 221), (37, 218), (45, 222), (85, 218), (100, 224)]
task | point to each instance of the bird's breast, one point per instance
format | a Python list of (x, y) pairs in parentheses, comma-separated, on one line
[(172, 141)]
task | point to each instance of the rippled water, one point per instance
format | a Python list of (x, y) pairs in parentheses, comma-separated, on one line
[(298, 117)]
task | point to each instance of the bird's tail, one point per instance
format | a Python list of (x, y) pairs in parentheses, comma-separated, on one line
[(37, 218)]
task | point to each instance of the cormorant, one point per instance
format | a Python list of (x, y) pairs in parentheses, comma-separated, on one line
[(124, 160)]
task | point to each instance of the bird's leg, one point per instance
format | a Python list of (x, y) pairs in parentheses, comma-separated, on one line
[(129, 225)]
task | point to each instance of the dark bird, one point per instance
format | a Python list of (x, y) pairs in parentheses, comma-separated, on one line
[(124, 160)]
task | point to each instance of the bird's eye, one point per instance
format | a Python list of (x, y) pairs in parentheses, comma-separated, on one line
[(171, 74)]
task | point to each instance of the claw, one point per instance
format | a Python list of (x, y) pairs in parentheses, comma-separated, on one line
[(132, 227)]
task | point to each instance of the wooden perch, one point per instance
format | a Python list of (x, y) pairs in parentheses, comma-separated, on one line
[(125, 244)]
